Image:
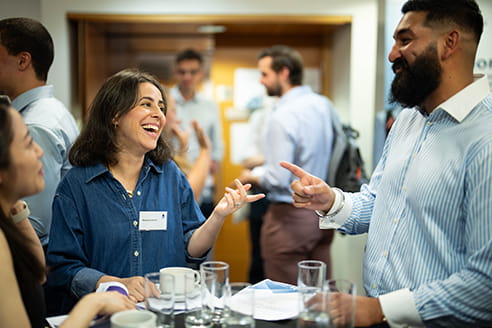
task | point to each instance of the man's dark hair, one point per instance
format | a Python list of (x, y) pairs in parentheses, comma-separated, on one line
[(189, 54), (464, 13), (25, 34), (283, 56), (117, 96)]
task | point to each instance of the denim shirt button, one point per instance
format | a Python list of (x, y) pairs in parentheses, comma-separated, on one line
[(135, 223), (138, 193), (135, 253)]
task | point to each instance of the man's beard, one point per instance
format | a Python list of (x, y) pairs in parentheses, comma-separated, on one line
[(275, 90), (415, 82)]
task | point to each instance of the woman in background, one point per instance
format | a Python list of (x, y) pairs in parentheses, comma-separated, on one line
[(21, 255), (125, 209)]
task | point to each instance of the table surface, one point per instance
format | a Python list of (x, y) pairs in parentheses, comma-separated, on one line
[(179, 323)]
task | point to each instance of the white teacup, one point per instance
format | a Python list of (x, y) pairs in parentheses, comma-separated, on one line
[(133, 319), (179, 279)]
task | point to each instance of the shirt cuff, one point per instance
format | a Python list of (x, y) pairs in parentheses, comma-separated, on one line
[(400, 310), (85, 281), (337, 220)]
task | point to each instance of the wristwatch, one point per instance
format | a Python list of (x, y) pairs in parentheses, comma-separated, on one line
[(21, 215), (340, 199)]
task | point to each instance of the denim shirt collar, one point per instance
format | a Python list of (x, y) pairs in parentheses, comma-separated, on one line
[(99, 169)]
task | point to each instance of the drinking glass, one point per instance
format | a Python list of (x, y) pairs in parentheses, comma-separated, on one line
[(196, 316), (214, 280), (239, 306), (159, 297), (340, 302), (310, 279)]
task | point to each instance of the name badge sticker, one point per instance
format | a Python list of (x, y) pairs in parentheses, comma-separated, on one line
[(152, 220)]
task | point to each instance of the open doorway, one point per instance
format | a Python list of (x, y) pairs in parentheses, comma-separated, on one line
[(105, 44)]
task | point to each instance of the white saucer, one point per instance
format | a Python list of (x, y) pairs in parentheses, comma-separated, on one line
[(181, 297)]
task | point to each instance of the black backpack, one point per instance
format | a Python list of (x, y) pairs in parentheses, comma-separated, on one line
[(346, 167)]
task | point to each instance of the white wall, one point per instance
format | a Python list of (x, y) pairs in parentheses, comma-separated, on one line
[(20, 8), (361, 93), (483, 63)]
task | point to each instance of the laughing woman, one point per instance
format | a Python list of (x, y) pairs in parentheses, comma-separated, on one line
[(21, 255), (125, 209)]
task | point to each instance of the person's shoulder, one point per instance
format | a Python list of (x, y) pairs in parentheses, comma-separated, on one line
[(487, 103), (168, 166), (168, 172), (5, 253), (50, 113), (83, 174)]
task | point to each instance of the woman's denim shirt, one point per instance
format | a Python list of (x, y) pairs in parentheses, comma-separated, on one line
[(95, 228)]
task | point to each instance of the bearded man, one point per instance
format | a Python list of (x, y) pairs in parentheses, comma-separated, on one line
[(298, 131), (428, 207)]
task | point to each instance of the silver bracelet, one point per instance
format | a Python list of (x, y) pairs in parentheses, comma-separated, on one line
[(22, 215), (322, 214)]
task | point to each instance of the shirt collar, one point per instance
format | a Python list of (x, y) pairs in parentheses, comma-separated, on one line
[(292, 93), (26, 98), (179, 98), (100, 169), (461, 104)]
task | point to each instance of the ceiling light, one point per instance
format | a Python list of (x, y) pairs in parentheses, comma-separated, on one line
[(210, 29)]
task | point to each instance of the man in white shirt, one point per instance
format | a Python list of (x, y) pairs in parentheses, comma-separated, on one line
[(427, 209)]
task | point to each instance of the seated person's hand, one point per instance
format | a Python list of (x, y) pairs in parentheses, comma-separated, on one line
[(234, 199), (135, 286), (111, 302)]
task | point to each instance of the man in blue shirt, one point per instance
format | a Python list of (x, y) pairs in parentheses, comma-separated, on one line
[(428, 207), (296, 132), (26, 54), (192, 105)]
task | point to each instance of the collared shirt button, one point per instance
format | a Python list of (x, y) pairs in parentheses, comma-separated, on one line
[(404, 188), (136, 253), (395, 221), (138, 193), (135, 223), (374, 286), (385, 253)]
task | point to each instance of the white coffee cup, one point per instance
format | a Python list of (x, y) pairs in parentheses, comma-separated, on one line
[(133, 319), (179, 281)]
